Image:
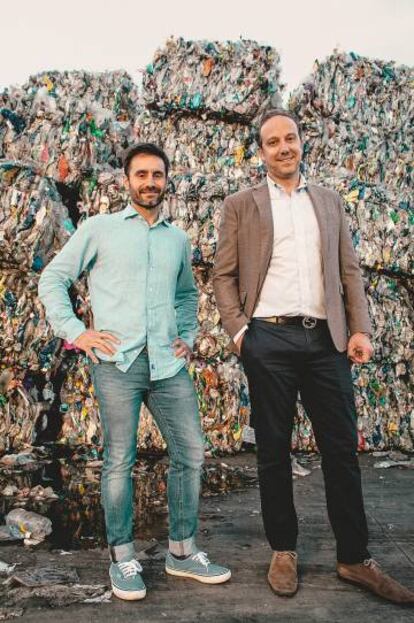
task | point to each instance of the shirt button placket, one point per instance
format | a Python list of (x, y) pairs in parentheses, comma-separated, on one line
[(148, 297)]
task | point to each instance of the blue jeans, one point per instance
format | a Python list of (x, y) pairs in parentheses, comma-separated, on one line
[(173, 404)]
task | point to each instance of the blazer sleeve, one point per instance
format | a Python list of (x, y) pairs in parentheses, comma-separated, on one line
[(226, 272), (356, 305)]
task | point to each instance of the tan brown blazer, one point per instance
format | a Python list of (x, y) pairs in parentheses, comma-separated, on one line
[(245, 249)]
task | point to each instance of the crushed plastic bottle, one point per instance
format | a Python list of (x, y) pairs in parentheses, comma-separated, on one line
[(34, 527), (12, 533)]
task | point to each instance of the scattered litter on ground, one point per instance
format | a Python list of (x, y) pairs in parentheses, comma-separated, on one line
[(43, 576)]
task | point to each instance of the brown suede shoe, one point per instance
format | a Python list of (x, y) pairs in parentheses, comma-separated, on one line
[(283, 575), (369, 575)]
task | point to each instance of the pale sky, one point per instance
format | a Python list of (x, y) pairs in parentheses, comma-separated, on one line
[(38, 35)]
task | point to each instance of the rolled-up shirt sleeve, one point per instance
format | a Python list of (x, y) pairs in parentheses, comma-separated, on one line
[(186, 299), (77, 255)]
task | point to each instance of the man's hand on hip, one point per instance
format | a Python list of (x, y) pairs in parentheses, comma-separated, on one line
[(96, 339), (360, 348), (181, 349)]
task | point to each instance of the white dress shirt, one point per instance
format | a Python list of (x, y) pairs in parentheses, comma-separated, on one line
[(293, 285)]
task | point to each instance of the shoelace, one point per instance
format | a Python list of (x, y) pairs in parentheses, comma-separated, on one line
[(130, 568), (201, 557), (371, 563)]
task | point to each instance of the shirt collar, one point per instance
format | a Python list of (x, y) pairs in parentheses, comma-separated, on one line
[(130, 212), (275, 189)]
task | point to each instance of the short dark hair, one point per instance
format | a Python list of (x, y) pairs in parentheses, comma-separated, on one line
[(275, 112), (145, 148)]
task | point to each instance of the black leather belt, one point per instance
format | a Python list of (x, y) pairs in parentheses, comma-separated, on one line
[(305, 321)]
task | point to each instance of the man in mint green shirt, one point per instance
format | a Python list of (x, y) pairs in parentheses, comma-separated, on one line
[(144, 304)]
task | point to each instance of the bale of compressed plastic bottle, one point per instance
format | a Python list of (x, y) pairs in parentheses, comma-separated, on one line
[(68, 122), (232, 80)]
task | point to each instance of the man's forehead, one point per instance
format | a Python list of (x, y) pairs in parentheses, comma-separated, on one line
[(147, 162), (279, 125)]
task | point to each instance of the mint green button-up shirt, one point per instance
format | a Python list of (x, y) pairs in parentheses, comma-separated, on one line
[(141, 288)]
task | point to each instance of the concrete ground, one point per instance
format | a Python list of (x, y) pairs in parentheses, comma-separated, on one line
[(231, 532)]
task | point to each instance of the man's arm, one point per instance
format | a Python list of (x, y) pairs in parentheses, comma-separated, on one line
[(186, 301), (356, 307), (77, 254), (226, 274)]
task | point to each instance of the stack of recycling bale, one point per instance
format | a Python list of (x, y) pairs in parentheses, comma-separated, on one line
[(201, 103), (34, 225), (356, 115), (200, 100), (71, 127), (55, 131), (65, 123)]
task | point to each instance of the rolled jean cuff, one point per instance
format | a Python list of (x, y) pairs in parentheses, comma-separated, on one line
[(126, 551), (181, 548)]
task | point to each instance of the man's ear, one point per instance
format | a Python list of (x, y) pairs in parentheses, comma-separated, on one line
[(126, 182)]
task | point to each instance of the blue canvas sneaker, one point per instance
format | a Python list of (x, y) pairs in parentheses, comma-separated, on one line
[(126, 580), (198, 567)]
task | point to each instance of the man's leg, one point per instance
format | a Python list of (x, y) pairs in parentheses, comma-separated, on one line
[(270, 356), (173, 403), (327, 394), (119, 395)]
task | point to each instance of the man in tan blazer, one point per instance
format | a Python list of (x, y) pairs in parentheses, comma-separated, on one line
[(290, 294)]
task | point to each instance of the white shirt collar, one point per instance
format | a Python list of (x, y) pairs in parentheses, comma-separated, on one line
[(276, 190)]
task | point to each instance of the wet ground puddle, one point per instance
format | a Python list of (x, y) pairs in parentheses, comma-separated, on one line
[(76, 513)]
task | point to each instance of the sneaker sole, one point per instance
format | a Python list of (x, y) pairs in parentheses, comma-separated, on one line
[(129, 595), (204, 579)]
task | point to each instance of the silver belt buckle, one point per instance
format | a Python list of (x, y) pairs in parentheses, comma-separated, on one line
[(308, 322)]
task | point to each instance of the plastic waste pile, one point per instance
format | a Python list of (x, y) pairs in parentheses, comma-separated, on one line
[(102, 192), (227, 80), (200, 101), (34, 223), (356, 115), (206, 145), (68, 122)]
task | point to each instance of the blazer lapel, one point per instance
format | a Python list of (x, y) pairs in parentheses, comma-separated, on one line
[(322, 216), (262, 199)]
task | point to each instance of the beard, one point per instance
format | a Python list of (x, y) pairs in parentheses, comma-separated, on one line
[(137, 197)]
